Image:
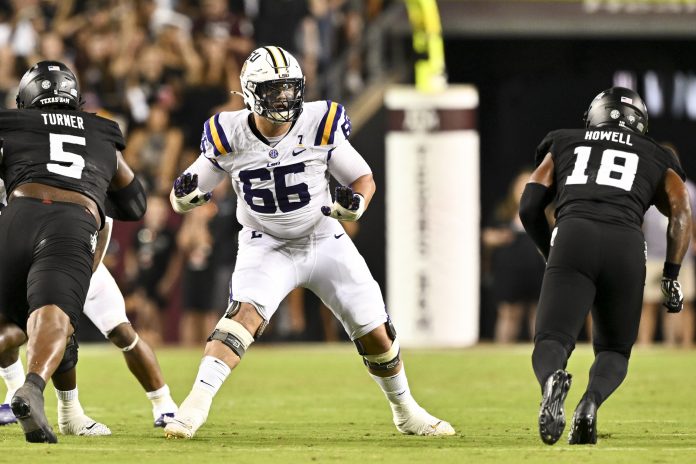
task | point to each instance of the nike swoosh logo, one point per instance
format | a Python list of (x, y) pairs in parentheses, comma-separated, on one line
[(338, 235), (89, 427), (206, 383), (295, 153)]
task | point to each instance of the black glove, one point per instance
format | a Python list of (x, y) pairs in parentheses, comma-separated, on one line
[(673, 296)]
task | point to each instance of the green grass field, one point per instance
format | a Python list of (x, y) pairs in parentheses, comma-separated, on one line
[(315, 403)]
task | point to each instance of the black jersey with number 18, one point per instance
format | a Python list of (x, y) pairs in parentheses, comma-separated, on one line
[(606, 174), (72, 150)]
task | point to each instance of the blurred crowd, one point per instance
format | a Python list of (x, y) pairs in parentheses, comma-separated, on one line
[(160, 68)]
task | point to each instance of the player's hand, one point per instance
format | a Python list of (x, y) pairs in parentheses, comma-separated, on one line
[(348, 206), (673, 296), (186, 193)]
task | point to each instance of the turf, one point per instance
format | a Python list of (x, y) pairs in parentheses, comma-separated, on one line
[(294, 404)]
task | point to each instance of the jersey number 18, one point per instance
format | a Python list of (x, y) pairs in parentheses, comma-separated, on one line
[(623, 174)]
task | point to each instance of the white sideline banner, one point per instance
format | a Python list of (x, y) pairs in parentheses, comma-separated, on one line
[(433, 211)]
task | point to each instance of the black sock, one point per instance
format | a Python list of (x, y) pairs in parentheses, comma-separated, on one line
[(608, 371), (547, 358), (36, 380)]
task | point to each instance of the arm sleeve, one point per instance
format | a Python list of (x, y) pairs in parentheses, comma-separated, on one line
[(534, 200), (346, 165), (210, 174)]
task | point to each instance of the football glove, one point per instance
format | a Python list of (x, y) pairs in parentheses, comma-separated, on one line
[(186, 195), (348, 206), (673, 296)]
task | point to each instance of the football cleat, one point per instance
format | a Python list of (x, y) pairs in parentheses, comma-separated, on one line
[(583, 428), (185, 423), (6, 415), (551, 413), (163, 419), (419, 422), (28, 407), (84, 427)]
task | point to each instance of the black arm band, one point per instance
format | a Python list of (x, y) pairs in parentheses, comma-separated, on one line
[(534, 200), (127, 204), (671, 270)]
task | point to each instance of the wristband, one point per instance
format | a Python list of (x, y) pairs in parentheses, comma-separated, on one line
[(671, 270)]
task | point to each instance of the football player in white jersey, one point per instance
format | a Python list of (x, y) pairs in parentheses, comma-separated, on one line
[(279, 154), (106, 309)]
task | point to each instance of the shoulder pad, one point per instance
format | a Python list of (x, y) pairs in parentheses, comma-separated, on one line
[(215, 135), (326, 133)]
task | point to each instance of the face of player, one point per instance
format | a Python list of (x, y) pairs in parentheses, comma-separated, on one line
[(282, 99)]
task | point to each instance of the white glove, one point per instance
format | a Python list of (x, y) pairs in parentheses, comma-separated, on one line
[(348, 206), (186, 195)]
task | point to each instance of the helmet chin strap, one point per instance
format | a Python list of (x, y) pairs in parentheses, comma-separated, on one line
[(239, 94)]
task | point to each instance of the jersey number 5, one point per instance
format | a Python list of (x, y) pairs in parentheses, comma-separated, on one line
[(610, 171), (63, 162), (282, 190)]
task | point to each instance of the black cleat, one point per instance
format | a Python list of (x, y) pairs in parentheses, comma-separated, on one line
[(28, 406), (583, 429), (551, 413)]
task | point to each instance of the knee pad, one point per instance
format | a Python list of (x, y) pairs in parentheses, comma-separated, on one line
[(384, 361), (233, 335), (69, 360)]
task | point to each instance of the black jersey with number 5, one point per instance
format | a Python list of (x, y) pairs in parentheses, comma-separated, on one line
[(606, 174), (72, 150)]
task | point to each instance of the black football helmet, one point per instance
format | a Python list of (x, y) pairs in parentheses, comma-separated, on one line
[(618, 106), (49, 84)]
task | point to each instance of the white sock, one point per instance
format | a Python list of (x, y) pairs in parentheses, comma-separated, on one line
[(13, 376), (395, 388), (69, 407), (212, 373), (162, 401)]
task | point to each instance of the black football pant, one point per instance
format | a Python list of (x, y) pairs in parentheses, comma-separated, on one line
[(596, 267)]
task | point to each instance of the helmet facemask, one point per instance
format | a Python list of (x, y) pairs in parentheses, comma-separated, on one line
[(278, 100)]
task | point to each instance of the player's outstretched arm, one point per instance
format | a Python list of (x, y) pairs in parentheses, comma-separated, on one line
[(536, 197), (194, 187), (351, 202), (673, 201)]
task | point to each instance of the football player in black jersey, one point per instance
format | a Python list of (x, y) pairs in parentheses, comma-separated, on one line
[(602, 178), (63, 172)]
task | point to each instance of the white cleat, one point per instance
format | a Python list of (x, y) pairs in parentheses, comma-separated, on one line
[(419, 422), (84, 427), (184, 424)]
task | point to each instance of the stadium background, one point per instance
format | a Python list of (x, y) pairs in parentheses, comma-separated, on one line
[(161, 68)]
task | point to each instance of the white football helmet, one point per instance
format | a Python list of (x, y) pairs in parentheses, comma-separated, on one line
[(273, 84)]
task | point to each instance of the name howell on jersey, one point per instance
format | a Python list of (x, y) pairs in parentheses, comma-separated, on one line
[(609, 136)]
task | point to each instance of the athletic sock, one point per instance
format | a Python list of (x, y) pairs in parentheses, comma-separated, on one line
[(162, 402), (547, 358), (398, 393), (212, 373), (606, 374), (13, 376), (69, 407)]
